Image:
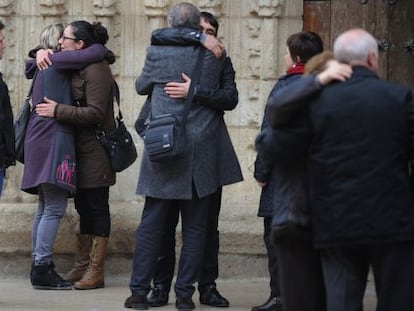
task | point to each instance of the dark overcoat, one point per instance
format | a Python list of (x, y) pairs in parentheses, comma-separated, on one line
[(204, 162), (362, 143)]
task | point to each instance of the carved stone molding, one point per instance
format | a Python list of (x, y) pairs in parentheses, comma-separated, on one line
[(215, 7), (156, 8), (104, 8), (52, 7), (266, 8), (254, 50), (6, 7)]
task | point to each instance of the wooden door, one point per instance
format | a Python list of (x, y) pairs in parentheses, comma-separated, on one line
[(390, 21)]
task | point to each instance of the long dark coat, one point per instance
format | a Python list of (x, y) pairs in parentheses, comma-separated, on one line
[(204, 165)]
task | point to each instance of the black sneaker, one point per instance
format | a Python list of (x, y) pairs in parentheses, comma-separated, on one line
[(43, 276), (136, 302), (210, 296), (184, 304), (158, 297)]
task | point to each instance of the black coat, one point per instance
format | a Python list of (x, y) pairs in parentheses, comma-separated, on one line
[(7, 155), (284, 195), (362, 143)]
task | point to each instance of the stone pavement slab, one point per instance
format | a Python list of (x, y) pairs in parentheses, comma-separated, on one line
[(18, 295)]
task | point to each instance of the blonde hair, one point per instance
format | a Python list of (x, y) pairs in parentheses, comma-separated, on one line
[(317, 64), (50, 35)]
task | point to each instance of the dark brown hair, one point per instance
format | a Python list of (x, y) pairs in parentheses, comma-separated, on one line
[(304, 45)]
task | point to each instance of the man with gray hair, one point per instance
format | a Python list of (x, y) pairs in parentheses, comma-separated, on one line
[(361, 147), (189, 182)]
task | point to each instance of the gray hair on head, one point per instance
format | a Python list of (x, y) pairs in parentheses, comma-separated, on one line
[(354, 46), (184, 14), (50, 35)]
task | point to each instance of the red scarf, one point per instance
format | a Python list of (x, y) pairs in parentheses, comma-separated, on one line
[(296, 68)]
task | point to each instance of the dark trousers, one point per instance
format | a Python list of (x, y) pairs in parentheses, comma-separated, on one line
[(149, 238), (164, 272), (301, 277), (93, 209), (346, 272), (272, 263)]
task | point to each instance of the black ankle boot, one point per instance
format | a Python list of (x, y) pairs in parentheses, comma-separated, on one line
[(45, 277), (210, 296), (158, 297)]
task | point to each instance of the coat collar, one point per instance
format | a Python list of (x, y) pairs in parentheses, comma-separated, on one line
[(361, 71)]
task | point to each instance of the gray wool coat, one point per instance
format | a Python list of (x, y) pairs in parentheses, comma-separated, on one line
[(210, 161)]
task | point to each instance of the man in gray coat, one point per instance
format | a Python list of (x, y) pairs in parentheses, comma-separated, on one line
[(190, 181)]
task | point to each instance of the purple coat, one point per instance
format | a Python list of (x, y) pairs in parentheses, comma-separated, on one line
[(49, 145)]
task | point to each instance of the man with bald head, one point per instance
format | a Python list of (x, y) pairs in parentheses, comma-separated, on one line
[(361, 147)]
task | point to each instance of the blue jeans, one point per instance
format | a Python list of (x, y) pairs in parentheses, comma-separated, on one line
[(52, 206), (2, 171)]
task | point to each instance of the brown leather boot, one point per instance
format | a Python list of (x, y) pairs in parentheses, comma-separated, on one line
[(82, 257), (94, 275)]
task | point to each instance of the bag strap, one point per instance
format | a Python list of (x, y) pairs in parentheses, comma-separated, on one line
[(118, 101), (99, 131)]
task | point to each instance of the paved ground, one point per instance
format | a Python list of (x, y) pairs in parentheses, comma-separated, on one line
[(17, 294)]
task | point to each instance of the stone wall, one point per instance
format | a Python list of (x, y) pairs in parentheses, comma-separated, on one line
[(254, 32)]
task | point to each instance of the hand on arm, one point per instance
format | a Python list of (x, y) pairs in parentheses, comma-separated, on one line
[(42, 59), (334, 71), (178, 89), (214, 45), (47, 108)]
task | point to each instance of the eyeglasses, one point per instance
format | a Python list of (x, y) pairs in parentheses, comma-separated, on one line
[(69, 38)]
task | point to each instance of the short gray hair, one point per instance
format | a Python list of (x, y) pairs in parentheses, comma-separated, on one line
[(50, 35), (354, 45), (184, 14)]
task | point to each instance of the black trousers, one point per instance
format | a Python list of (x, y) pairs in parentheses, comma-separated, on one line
[(272, 263), (149, 242), (346, 271), (93, 209), (301, 277), (164, 272)]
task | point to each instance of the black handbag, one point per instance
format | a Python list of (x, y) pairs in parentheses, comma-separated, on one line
[(118, 142), (165, 135), (21, 123)]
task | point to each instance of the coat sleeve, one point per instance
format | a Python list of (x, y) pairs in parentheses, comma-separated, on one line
[(144, 82), (79, 59), (226, 97), (97, 91), (284, 104)]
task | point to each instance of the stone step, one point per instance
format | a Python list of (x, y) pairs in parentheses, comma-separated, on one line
[(242, 253)]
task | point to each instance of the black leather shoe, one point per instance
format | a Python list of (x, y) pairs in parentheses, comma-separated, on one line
[(136, 302), (158, 298), (209, 295), (272, 304), (184, 304)]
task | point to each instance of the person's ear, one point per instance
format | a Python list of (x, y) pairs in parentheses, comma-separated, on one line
[(80, 44)]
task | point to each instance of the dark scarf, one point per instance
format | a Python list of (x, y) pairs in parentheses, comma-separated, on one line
[(296, 68)]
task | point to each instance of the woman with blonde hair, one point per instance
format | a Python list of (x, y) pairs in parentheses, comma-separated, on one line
[(50, 162)]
